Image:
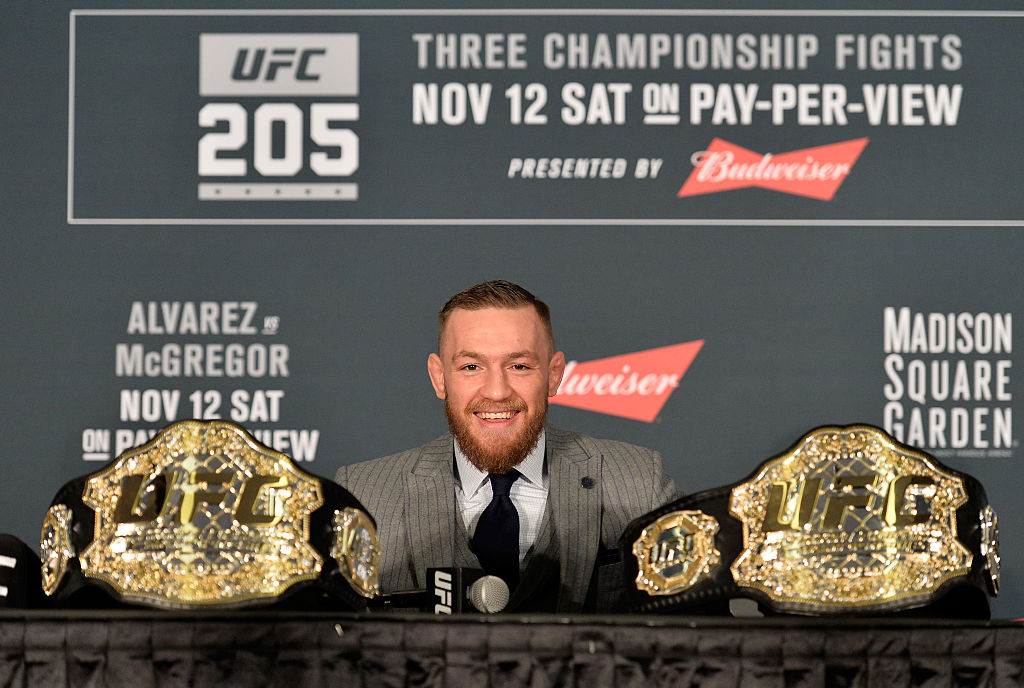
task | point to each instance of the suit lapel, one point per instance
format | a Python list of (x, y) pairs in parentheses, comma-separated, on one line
[(430, 508), (575, 508), (576, 512)]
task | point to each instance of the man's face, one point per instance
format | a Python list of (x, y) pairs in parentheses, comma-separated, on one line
[(495, 371)]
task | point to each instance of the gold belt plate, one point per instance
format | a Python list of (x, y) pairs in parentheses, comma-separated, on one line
[(201, 515), (849, 519)]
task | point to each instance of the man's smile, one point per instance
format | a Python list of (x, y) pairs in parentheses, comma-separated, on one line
[(496, 415)]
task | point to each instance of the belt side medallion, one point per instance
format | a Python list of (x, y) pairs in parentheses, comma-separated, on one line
[(357, 550), (676, 552), (55, 547)]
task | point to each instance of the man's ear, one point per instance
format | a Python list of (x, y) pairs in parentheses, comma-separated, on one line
[(556, 369), (436, 372)]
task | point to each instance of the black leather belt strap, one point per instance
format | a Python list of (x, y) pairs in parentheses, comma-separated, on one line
[(846, 522)]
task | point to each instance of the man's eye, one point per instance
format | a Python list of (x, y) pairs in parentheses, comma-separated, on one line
[(470, 366), (520, 366)]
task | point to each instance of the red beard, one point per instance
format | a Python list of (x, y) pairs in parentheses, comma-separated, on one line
[(509, 453)]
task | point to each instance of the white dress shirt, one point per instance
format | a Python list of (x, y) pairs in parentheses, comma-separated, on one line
[(529, 493)]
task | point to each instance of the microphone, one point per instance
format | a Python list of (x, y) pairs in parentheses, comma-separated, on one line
[(20, 574), (489, 594), (457, 590), (452, 590)]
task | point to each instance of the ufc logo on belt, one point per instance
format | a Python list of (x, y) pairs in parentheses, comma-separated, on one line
[(793, 504)]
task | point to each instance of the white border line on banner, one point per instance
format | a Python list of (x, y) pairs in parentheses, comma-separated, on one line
[(577, 222), (564, 12), (660, 222)]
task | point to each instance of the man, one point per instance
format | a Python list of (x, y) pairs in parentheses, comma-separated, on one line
[(503, 477)]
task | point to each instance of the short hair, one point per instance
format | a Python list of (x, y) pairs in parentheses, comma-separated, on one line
[(494, 294)]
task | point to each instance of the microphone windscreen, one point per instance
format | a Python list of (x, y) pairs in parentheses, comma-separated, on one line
[(488, 594)]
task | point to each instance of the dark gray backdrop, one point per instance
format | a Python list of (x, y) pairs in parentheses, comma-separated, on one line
[(788, 293)]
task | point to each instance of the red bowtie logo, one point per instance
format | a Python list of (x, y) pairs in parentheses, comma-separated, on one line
[(814, 172), (632, 386)]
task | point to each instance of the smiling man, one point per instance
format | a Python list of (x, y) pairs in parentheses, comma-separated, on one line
[(541, 507)]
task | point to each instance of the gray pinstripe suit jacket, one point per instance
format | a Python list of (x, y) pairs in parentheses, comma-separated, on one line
[(411, 495)]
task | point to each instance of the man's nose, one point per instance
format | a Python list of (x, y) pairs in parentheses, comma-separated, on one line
[(496, 385)]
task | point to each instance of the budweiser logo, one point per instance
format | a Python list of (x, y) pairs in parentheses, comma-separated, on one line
[(814, 172), (632, 386)]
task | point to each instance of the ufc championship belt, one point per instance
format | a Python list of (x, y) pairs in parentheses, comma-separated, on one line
[(205, 516), (846, 522)]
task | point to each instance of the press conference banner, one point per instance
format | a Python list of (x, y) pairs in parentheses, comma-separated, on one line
[(748, 223), (415, 116)]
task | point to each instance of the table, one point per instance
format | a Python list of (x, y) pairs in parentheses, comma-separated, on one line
[(254, 648)]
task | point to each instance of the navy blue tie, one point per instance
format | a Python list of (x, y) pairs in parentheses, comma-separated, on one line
[(496, 540)]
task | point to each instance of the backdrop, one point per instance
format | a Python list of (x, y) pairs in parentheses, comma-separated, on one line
[(747, 222)]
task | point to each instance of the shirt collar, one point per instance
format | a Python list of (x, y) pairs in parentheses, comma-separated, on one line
[(471, 477)]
